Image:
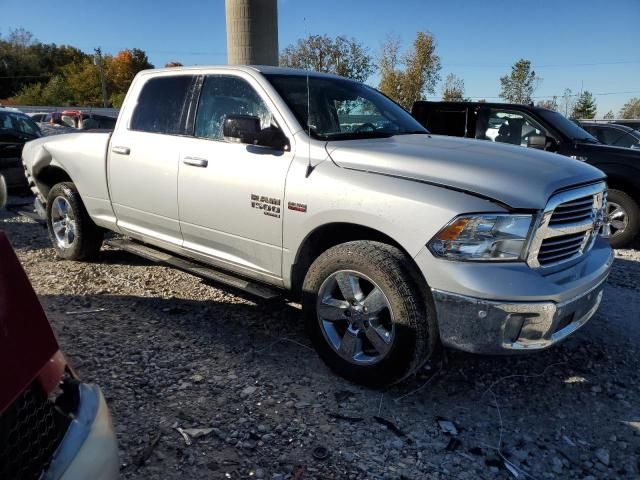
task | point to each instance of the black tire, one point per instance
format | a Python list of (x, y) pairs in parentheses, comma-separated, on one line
[(416, 335), (88, 237), (622, 238)]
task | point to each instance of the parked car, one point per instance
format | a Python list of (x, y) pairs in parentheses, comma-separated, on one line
[(393, 239), (543, 129), (16, 129), (52, 426), (81, 120), (613, 134), (635, 124), (38, 117)]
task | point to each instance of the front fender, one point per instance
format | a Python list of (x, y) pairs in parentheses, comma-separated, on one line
[(408, 212)]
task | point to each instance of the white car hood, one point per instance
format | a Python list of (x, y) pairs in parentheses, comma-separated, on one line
[(516, 176)]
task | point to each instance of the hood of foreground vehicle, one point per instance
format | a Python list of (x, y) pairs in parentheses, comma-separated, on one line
[(517, 176)]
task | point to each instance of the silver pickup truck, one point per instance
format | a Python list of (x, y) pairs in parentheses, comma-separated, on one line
[(395, 241)]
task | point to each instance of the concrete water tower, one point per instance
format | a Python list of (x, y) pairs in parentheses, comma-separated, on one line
[(252, 32)]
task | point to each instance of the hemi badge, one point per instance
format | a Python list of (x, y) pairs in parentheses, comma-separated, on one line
[(297, 207)]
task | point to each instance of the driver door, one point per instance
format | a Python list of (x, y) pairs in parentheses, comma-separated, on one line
[(230, 194)]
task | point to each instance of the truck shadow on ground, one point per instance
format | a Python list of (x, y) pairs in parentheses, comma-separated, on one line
[(191, 361)]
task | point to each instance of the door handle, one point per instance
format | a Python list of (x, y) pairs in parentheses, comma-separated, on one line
[(121, 150), (195, 162)]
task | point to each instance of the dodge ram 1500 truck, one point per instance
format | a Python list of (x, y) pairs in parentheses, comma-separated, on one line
[(393, 240)]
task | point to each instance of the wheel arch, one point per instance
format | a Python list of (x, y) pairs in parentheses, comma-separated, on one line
[(329, 235), (48, 176)]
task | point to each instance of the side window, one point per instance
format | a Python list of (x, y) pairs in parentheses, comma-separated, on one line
[(227, 95), (160, 105), (627, 141), (610, 135), (508, 126), (448, 122)]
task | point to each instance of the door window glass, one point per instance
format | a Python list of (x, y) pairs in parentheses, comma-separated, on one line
[(161, 104), (227, 95), (508, 126)]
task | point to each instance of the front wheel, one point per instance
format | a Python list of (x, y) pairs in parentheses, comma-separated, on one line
[(623, 216), (73, 234), (368, 313)]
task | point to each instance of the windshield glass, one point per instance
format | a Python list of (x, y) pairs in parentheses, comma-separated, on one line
[(18, 123), (566, 126), (340, 109)]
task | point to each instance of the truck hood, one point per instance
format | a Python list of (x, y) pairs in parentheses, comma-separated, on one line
[(516, 176)]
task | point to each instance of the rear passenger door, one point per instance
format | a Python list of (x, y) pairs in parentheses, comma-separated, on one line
[(144, 157)]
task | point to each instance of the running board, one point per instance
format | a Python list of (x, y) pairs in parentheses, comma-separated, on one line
[(197, 269)]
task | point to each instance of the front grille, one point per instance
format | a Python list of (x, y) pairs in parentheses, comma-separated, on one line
[(568, 226), (575, 211), (30, 431), (563, 247)]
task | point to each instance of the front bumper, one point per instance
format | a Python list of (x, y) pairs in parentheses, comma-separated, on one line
[(89, 449), (483, 326), (494, 308)]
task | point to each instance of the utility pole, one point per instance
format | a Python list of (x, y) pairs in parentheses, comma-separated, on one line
[(97, 60)]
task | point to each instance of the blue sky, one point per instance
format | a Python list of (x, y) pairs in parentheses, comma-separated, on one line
[(573, 44)]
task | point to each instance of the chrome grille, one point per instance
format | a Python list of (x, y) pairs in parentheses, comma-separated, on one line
[(568, 226), (572, 212)]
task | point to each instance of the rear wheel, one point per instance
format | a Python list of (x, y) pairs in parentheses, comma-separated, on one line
[(73, 234), (367, 313), (623, 217)]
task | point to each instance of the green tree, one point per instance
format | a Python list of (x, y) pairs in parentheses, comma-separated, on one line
[(609, 115), (84, 82), (585, 106), (519, 85), (320, 53), (31, 94), (453, 89), (408, 77), (631, 109)]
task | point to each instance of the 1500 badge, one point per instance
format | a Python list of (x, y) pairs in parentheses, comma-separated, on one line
[(269, 205)]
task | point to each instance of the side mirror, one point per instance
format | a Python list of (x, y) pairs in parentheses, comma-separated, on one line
[(241, 128), (538, 142), (246, 129)]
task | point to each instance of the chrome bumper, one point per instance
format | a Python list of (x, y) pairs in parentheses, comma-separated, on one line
[(89, 449), (483, 326)]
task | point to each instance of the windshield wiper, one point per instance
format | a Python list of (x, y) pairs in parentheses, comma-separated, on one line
[(356, 135), (413, 132)]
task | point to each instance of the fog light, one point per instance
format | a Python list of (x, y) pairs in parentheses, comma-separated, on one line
[(512, 327)]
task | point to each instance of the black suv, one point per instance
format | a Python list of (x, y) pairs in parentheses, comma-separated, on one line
[(613, 134), (545, 129)]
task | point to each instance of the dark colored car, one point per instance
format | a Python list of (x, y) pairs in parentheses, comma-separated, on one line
[(16, 129), (52, 426), (545, 129), (613, 134), (635, 124)]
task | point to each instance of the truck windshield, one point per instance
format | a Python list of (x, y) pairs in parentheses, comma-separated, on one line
[(339, 109), (566, 126)]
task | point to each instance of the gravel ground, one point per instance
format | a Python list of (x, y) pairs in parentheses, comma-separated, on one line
[(172, 351)]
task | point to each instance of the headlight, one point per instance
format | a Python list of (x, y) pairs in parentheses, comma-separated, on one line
[(483, 237)]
